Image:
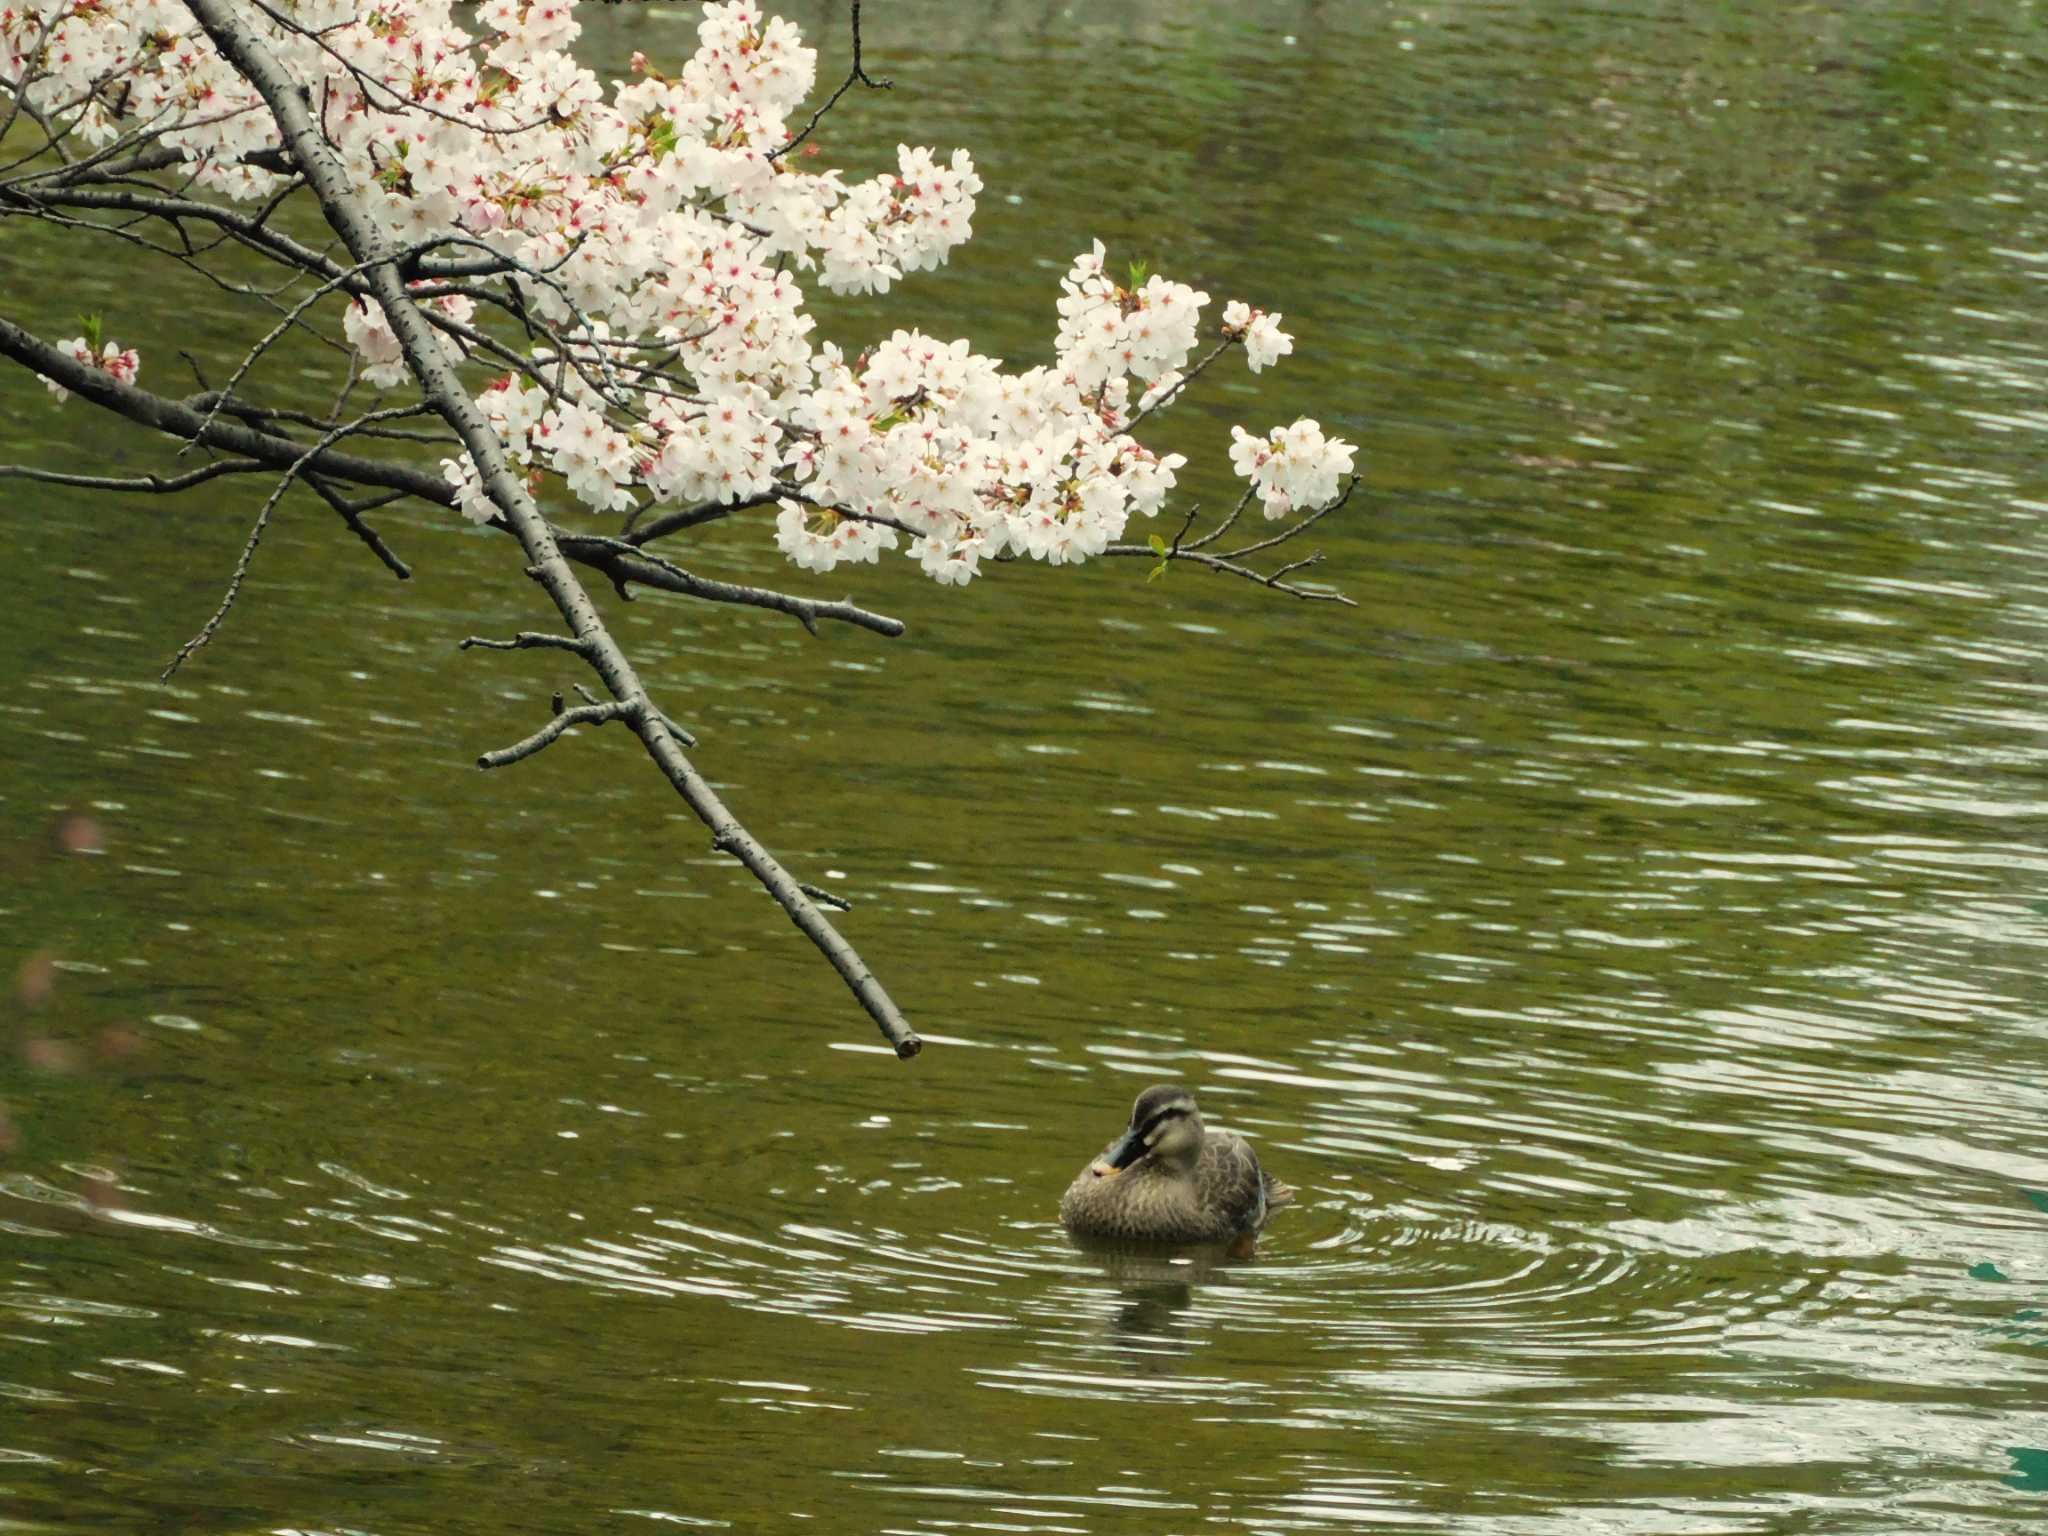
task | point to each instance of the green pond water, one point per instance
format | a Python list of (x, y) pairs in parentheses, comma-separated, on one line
[(1626, 926)]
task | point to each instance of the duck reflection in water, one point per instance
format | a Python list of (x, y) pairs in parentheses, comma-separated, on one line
[(1166, 1205)]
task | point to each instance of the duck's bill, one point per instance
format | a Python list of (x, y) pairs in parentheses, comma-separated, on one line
[(1124, 1153)]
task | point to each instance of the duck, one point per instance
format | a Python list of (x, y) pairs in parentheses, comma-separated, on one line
[(1170, 1179)]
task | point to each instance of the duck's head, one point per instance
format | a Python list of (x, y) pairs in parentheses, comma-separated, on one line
[(1165, 1124)]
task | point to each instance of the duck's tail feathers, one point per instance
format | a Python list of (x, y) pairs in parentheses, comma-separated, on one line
[(1278, 1194)]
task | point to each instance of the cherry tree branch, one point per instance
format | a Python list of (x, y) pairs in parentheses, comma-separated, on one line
[(623, 563), (181, 419), (1296, 529), (1232, 568), (228, 25), (351, 513), (691, 517), (151, 485), (253, 232), (1172, 392), (1232, 563), (1228, 523), (196, 421), (586, 714)]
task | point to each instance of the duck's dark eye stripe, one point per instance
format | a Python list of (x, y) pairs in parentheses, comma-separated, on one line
[(1171, 1112)]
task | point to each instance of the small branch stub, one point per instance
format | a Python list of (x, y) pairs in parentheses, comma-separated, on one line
[(547, 735)]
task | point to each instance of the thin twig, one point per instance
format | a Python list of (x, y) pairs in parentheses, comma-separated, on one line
[(217, 404), (528, 640), (624, 563), (1225, 526), (241, 571), (691, 517), (155, 485), (1232, 568), (852, 75), (1182, 382), (255, 353), (1290, 532), (351, 513), (583, 714)]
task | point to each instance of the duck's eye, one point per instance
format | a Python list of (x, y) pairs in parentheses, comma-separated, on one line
[(1156, 1126)]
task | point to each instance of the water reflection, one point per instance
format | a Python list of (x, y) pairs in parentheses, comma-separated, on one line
[(1626, 933), (1153, 1288)]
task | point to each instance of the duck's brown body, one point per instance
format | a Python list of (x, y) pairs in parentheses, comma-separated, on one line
[(1169, 1180)]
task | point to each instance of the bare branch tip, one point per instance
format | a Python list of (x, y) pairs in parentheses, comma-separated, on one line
[(824, 897), (588, 714), (674, 730)]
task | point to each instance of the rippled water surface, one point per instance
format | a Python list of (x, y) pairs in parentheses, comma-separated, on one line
[(1626, 927)]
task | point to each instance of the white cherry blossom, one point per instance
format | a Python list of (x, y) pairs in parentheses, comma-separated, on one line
[(1293, 468), (122, 364), (669, 237), (1264, 342)]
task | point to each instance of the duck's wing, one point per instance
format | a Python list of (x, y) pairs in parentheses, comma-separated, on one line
[(1233, 1184)]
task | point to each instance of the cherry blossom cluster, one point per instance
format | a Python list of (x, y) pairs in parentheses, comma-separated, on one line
[(122, 364), (934, 441), (1107, 330), (364, 323), (1293, 468), (665, 231), (1264, 342)]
